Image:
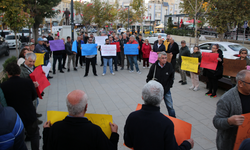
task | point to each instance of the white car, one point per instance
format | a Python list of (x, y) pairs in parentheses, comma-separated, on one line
[(10, 39), (152, 39), (230, 50), (120, 30)]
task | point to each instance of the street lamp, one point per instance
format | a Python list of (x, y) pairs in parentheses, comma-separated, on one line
[(72, 21), (128, 16)]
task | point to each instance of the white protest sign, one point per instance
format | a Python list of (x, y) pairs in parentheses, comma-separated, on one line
[(46, 69), (108, 50), (100, 40)]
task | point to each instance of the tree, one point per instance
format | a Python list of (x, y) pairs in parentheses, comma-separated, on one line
[(123, 16), (14, 16), (170, 23)]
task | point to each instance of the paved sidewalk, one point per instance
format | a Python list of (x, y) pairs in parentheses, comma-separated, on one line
[(119, 95)]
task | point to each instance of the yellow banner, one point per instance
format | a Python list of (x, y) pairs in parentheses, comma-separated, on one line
[(39, 59), (189, 64), (98, 119)]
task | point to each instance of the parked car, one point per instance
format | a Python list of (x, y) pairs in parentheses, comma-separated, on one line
[(10, 39), (230, 50), (4, 47), (152, 39), (120, 30), (92, 30), (6, 32)]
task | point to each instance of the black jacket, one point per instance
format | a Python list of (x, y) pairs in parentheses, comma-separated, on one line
[(68, 48), (164, 75), (122, 42), (140, 43), (49, 38), (19, 94), (77, 133), (174, 49), (149, 129), (160, 49), (184, 51)]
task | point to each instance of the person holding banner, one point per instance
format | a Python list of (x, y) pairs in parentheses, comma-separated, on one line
[(184, 51), (230, 108), (57, 55), (76, 131), (195, 76), (146, 48), (214, 75), (90, 59), (107, 59), (114, 58)]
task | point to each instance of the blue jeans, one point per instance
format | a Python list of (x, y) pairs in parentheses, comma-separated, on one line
[(169, 103), (105, 61), (133, 60)]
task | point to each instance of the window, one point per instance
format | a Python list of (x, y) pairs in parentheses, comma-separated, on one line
[(222, 48), (235, 47), (176, 6), (205, 47)]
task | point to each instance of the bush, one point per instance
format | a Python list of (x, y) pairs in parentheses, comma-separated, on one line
[(9, 60)]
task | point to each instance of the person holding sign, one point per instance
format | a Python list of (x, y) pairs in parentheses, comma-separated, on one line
[(184, 51), (231, 105), (90, 59), (57, 55), (107, 59), (148, 128), (195, 76), (76, 131), (146, 48), (214, 75)]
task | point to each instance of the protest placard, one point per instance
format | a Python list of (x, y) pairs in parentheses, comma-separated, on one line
[(131, 49), (89, 49), (39, 59), (243, 131), (209, 60), (108, 50), (39, 76), (232, 66), (153, 57), (100, 40), (101, 120), (169, 57), (117, 46), (56, 45), (248, 67), (46, 69), (189, 64)]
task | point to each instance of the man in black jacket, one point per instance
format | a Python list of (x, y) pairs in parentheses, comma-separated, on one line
[(57, 55), (140, 41), (71, 54), (19, 94), (163, 72), (184, 51), (76, 131), (148, 128), (174, 49), (159, 46), (122, 42)]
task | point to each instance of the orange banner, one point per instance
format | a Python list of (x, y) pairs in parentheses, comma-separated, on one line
[(243, 131)]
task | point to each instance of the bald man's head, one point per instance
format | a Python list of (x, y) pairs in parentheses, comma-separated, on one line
[(77, 102)]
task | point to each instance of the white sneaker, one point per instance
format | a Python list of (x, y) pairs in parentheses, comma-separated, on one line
[(103, 74), (131, 71), (113, 73), (139, 72), (143, 67), (191, 87), (148, 67), (196, 89)]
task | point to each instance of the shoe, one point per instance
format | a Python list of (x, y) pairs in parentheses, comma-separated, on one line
[(95, 75), (180, 81), (39, 121), (116, 70), (148, 67), (139, 72), (127, 68), (85, 75), (61, 71), (122, 68), (196, 89), (208, 93), (103, 74), (68, 70), (191, 87), (183, 83), (50, 77), (50, 71), (63, 67), (113, 73), (38, 115), (101, 65), (143, 67), (75, 69), (213, 96), (131, 71), (54, 72)]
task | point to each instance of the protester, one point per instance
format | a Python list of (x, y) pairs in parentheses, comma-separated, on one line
[(195, 76), (148, 128), (64, 56), (19, 94), (140, 41), (123, 41), (77, 47), (159, 46), (156, 41), (21, 58), (229, 109), (243, 56), (47, 54), (39, 47), (114, 58), (32, 40), (127, 35), (184, 51), (71, 54), (12, 130), (107, 59), (31, 46), (76, 131), (146, 48), (57, 55), (214, 75), (49, 38), (167, 42), (2, 98), (118, 53), (133, 58), (86, 37), (90, 59), (100, 51), (174, 49)]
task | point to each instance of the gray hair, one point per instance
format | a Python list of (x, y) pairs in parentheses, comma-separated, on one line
[(241, 75), (171, 38), (77, 108), (152, 93), (162, 53), (32, 55), (132, 36)]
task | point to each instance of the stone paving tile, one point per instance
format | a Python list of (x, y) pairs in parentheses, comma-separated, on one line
[(119, 95)]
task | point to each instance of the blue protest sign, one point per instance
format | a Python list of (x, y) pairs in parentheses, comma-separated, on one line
[(131, 49), (89, 49)]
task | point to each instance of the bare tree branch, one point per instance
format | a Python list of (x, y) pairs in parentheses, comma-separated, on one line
[(200, 6), (191, 5), (206, 10)]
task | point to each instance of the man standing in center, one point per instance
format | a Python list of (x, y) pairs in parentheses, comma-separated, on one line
[(90, 59), (163, 72)]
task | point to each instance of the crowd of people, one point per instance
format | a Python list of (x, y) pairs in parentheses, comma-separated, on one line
[(19, 100)]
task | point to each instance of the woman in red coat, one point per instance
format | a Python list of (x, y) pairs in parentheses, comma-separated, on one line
[(146, 48)]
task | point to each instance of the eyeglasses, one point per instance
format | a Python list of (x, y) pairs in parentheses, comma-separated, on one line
[(245, 82), (243, 53)]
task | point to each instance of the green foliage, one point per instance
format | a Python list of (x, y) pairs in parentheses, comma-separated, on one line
[(9, 60), (170, 23), (139, 9), (85, 10), (123, 16), (180, 32)]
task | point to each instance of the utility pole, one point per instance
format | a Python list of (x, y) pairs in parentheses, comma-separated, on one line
[(72, 21), (128, 17)]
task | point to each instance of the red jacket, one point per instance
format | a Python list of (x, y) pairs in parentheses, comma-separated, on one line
[(146, 50), (134, 42)]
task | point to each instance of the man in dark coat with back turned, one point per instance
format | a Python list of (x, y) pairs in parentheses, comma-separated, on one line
[(174, 49)]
